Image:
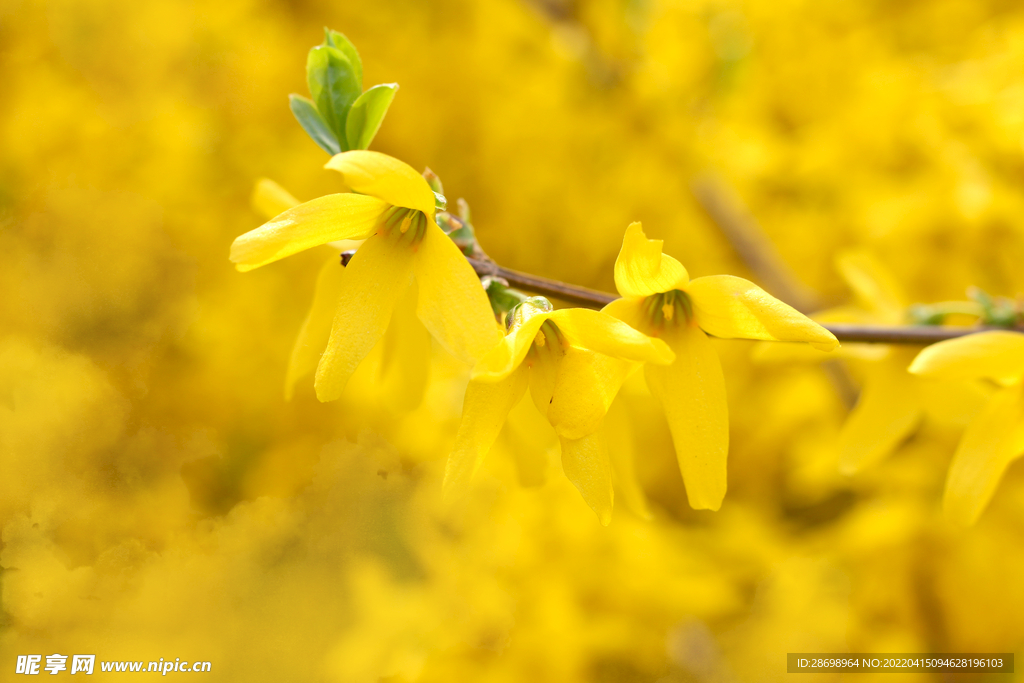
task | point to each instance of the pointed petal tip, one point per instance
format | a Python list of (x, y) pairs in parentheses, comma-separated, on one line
[(325, 396), (636, 228), (959, 514), (712, 505), (451, 490), (831, 344), (664, 355)]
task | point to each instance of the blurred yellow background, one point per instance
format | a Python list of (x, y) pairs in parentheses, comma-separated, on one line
[(159, 498)]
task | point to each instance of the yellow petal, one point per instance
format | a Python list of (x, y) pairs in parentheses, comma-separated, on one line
[(692, 392), (601, 332), (585, 463), (405, 357), (584, 388), (733, 308), (319, 221), (484, 410), (270, 199), (641, 269), (995, 355), (629, 310), (316, 328), (618, 433), (509, 353), (453, 305), (384, 177), (544, 364), (873, 284), (375, 279), (888, 410), (992, 441)]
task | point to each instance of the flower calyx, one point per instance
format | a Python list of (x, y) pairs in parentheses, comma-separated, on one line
[(502, 297), (526, 309)]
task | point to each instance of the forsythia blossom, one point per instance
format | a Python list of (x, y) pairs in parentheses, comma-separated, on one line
[(392, 207), (573, 362), (996, 435), (659, 299)]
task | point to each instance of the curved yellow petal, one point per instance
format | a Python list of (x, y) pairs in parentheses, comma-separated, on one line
[(995, 355), (319, 221), (641, 269), (585, 463), (692, 392), (992, 441), (384, 177), (509, 353), (405, 357), (601, 332), (316, 328), (375, 279), (585, 386), (873, 284), (270, 199), (888, 410), (453, 304), (484, 410), (733, 308), (544, 364), (629, 310)]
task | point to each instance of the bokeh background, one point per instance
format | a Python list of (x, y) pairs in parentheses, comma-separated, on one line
[(159, 498)]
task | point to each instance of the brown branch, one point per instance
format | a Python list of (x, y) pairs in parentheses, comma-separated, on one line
[(580, 296), (590, 298)]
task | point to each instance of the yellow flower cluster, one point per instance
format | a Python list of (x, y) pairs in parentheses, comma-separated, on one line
[(574, 361)]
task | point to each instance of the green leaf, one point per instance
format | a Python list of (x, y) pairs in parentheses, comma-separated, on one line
[(338, 40), (333, 85), (367, 113), (311, 121)]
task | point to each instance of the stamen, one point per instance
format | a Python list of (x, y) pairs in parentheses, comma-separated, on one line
[(395, 214), (667, 308)]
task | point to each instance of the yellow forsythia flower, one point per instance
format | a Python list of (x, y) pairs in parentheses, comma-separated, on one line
[(574, 362), (659, 299), (996, 435), (392, 208)]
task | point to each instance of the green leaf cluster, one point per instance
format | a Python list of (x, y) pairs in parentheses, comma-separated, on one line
[(340, 116)]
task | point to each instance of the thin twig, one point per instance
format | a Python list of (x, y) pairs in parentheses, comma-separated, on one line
[(590, 298), (581, 296)]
